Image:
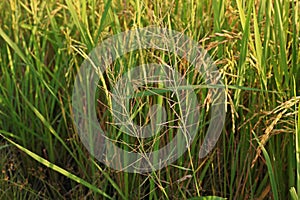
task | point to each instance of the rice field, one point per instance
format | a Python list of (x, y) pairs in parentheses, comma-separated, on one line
[(254, 47)]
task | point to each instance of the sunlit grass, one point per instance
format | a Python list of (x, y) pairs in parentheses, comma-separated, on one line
[(256, 48)]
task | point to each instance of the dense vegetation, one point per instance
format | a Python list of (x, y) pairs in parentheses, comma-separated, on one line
[(255, 45)]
